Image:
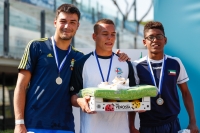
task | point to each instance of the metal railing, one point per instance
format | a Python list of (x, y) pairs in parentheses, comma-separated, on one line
[(25, 24)]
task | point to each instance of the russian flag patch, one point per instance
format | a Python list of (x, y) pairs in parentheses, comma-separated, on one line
[(172, 72)]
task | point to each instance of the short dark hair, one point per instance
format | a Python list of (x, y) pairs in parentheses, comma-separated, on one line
[(102, 21), (153, 25), (68, 8)]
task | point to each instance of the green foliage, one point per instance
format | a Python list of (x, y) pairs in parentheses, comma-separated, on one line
[(144, 22), (8, 112), (7, 131)]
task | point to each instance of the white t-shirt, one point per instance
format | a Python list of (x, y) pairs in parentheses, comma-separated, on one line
[(87, 68)]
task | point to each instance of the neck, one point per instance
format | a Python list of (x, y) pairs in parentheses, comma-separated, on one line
[(158, 56), (62, 44), (104, 53)]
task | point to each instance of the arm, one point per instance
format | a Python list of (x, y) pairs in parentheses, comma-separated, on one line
[(188, 102), (131, 119), (19, 98)]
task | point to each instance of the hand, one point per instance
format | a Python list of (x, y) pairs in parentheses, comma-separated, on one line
[(83, 103), (193, 128), (141, 111), (122, 56), (134, 130), (20, 129)]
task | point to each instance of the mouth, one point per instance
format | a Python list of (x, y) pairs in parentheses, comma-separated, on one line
[(108, 44), (66, 31), (155, 45)]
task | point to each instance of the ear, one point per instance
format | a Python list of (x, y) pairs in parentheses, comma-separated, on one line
[(94, 36), (78, 25), (165, 40), (144, 42), (55, 23)]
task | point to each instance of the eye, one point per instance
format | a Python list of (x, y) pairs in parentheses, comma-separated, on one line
[(159, 37), (62, 22), (73, 22), (151, 37)]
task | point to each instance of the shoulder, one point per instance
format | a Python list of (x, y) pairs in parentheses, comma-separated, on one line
[(139, 61), (83, 59), (77, 51), (37, 42), (34, 45), (116, 60), (40, 41), (173, 59)]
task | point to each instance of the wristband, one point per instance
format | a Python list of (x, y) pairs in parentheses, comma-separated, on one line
[(18, 122)]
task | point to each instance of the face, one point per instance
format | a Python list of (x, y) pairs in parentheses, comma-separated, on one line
[(66, 25), (156, 46), (105, 39)]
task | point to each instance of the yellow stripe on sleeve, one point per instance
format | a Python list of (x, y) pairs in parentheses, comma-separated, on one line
[(24, 58)]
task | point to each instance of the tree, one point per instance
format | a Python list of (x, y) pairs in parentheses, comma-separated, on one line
[(138, 24), (128, 10), (125, 16), (74, 2)]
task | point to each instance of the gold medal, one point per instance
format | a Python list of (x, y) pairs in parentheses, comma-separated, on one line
[(58, 80), (160, 101)]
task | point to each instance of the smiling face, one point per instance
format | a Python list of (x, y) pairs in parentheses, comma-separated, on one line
[(66, 25), (155, 47), (105, 39)]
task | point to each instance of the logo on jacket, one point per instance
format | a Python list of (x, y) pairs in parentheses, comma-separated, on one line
[(49, 55), (71, 88), (72, 64), (118, 72)]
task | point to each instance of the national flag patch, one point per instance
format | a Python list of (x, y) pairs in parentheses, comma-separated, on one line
[(171, 72)]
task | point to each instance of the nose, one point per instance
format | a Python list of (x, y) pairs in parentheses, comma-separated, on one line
[(109, 37), (66, 25)]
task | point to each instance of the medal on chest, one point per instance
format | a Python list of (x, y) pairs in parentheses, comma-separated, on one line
[(159, 101), (59, 66), (58, 80)]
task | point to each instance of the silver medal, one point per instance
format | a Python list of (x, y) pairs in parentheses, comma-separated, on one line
[(59, 66), (160, 101), (58, 80)]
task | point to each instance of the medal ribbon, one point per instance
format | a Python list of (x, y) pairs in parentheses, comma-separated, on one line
[(56, 57), (100, 67), (161, 74)]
